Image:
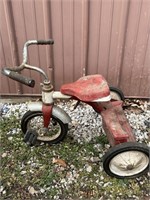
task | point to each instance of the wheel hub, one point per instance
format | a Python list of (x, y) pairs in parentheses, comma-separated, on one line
[(130, 167)]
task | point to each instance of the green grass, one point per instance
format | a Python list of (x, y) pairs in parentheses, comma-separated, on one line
[(23, 166)]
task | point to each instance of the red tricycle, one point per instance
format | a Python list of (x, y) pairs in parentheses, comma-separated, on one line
[(47, 122)]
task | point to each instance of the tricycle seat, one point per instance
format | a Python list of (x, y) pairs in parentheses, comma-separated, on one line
[(87, 88)]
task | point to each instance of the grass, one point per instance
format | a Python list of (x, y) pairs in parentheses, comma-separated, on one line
[(24, 167)]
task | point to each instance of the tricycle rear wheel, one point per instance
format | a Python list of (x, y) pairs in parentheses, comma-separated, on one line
[(116, 94), (127, 160)]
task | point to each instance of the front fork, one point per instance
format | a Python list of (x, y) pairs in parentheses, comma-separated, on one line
[(47, 113), (47, 99)]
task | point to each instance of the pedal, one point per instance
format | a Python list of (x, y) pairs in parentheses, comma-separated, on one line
[(30, 137)]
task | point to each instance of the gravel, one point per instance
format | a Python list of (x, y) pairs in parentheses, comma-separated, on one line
[(86, 127), (86, 123)]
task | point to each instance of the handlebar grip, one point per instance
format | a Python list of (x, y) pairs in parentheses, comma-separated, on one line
[(44, 42), (18, 77)]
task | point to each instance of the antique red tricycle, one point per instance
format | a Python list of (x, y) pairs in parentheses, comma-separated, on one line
[(47, 122)]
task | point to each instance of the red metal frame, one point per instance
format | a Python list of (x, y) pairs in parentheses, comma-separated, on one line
[(115, 123)]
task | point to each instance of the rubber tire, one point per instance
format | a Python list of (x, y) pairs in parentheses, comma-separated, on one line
[(118, 91), (120, 148), (31, 114)]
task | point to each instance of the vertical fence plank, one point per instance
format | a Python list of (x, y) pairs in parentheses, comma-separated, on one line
[(118, 33), (140, 49), (7, 6), (130, 46), (68, 39)]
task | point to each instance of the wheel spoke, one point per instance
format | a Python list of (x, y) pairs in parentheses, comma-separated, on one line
[(139, 162), (119, 165), (124, 159)]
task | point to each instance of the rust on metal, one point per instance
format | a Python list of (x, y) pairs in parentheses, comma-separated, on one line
[(116, 125)]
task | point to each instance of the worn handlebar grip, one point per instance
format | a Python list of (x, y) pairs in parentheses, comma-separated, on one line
[(43, 42), (18, 77)]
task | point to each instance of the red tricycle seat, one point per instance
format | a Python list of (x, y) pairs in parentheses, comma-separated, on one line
[(87, 88)]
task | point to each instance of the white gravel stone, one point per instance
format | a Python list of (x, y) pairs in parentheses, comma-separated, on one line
[(4, 155), (10, 138), (23, 172), (42, 190), (1, 188), (89, 168)]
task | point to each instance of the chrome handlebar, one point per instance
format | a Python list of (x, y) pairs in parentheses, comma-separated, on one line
[(24, 64), (31, 42)]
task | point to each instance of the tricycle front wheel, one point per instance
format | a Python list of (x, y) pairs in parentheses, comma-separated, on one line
[(55, 132), (127, 160)]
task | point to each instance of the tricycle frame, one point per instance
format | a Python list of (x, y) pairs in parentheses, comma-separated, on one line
[(125, 159)]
